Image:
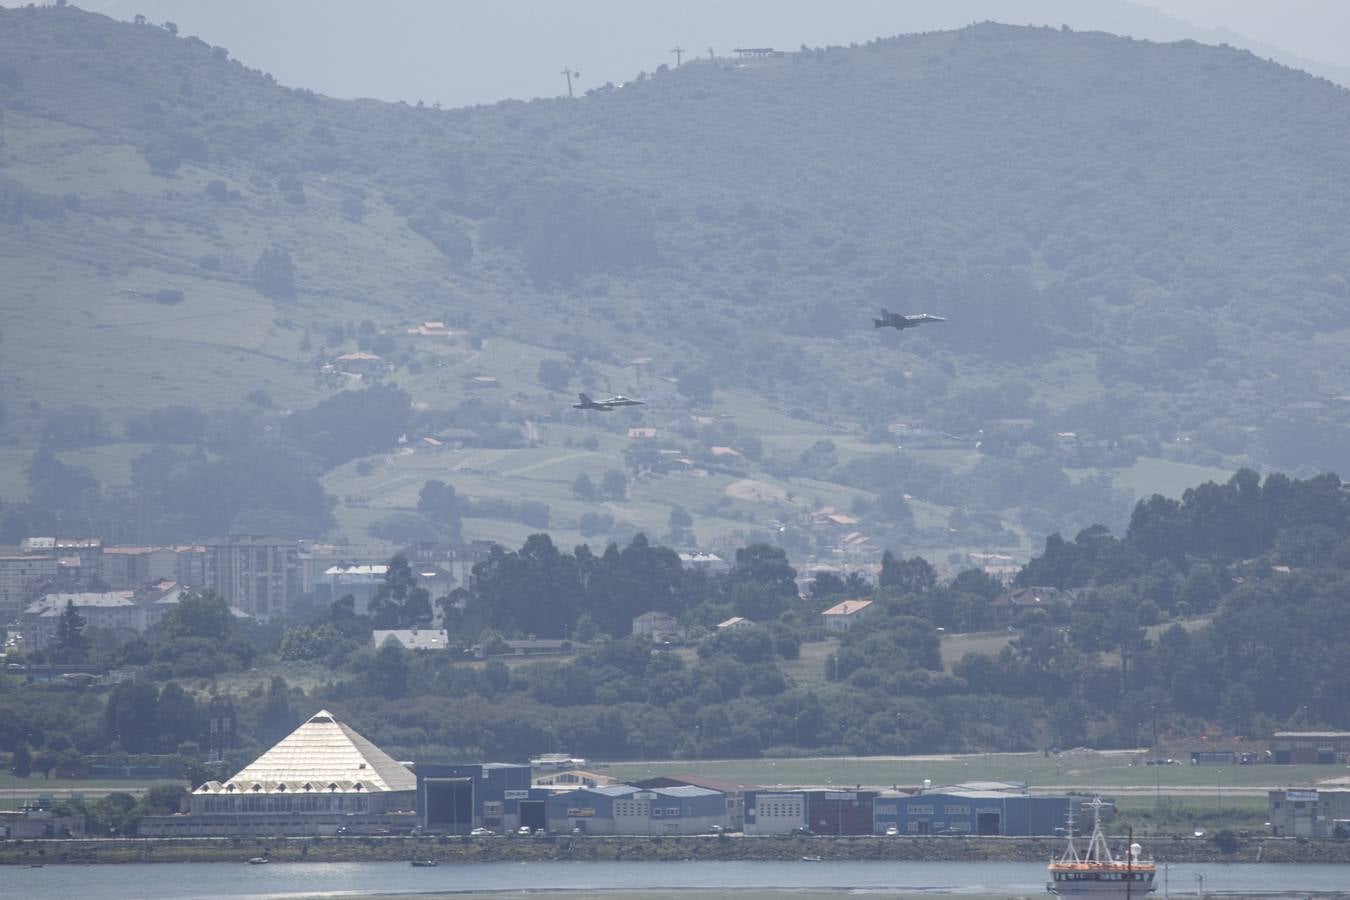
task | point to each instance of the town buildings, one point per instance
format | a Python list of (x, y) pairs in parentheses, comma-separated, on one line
[(259, 574), (21, 575), (320, 778)]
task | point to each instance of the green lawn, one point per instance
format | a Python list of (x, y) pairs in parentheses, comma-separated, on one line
[(1090, 770), (1150, 476)]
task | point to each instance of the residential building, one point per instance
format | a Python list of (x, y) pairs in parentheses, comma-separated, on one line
[(103, 610), (359, 362), (658, 627), (315, 559), (131, 567), (1007, 607), (191, 566), (360, 582), (412, 638), (257, 573), (21, 576), (322, 777), (848, 613), (705, 562), (1317, 747), (625, 809), (534, 647), (735, 623), (457, 559), (86, 551), (1310, 813)]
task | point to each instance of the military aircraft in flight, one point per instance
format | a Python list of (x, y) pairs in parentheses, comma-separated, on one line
[(607, 404), (900, 322)]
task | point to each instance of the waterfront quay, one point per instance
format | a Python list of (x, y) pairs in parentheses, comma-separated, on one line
[(463, 849)]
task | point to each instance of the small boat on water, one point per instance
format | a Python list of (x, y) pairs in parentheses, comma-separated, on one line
[(259, 861), (424, 863), (812, 859), (1097, 873)]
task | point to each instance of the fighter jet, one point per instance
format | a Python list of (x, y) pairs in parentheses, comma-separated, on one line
[(607, 404), (900, 321)]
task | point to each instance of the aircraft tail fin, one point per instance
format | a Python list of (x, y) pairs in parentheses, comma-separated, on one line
[(584, 398)]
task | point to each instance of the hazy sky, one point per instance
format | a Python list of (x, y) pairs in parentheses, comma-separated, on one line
[(460, 52)]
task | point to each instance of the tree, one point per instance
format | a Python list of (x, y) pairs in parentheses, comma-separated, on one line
[(439, 503), (697, 386), (177, 717), (388, 673), (70, 634), (614, 485), (680, 518), (584, 489), (129, 719), (554, 375), (399, 602), (21, 761), (200, 614), (274, 273), (911, 576)]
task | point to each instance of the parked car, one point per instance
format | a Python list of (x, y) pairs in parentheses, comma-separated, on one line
[(524, 830), (482, 832), (892, 831)]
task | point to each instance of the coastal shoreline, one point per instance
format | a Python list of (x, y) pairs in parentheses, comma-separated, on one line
[(450, 850)]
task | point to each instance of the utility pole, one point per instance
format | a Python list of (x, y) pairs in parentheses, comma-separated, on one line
[(679, 54), (570, 75)]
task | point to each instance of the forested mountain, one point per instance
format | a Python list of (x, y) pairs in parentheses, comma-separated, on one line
[(1141, 246)]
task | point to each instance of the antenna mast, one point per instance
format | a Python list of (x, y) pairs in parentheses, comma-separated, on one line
[(679, 54), (570, 75)]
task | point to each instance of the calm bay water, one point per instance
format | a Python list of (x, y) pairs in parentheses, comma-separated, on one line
[(217, 881)]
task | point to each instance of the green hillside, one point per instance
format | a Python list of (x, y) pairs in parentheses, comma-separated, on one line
[(1140, 250)]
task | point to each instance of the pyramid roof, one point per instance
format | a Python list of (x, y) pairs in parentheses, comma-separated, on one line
[(323, 755)]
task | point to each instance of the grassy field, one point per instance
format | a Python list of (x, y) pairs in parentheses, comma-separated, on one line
[(1157, 476), (1105, 771), (956, 646)]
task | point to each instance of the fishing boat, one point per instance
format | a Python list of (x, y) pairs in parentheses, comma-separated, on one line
[(1097, 873), (259, 861), (424, 863)]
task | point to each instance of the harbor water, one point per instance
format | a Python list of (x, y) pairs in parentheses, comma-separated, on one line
[(612, 880)]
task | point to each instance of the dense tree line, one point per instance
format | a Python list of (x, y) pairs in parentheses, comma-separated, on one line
[(1223, 609)]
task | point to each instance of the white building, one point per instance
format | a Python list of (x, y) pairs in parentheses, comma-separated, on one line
[(774, 813), (847, 613), (412, 638), (705, 562), (657, 627)]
